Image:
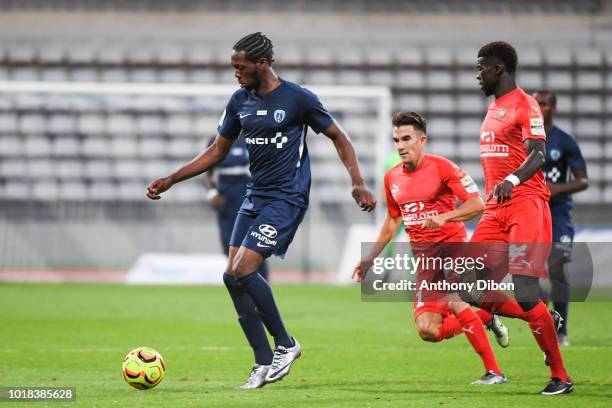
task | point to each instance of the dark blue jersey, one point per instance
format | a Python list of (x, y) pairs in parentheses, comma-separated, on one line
[(232, 174), (274, 128), (562, 157)]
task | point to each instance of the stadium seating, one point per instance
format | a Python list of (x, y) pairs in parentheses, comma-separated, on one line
[(122, 141)]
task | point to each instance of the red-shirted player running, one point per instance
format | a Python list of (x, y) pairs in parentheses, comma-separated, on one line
[(513, 150), (422, 191)]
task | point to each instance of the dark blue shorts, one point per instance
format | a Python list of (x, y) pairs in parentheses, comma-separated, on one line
[(563, 235), (266, 225)]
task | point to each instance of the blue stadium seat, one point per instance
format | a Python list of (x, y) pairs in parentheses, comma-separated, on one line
[(410, 79), (98, 169), (95, 147), (588, 128), (410, 102), (41, 169), (8, 123), (589, 81), (73, 190), (13, 168), (439, 79), (149, 125), (559, 80), (441, 103), (440, 127), (69, 169), (11, 146), (151, 147), (589, 104), (37, 146), (174, 75), (588, 57), (124, 147), (558, 56), (16, 190)]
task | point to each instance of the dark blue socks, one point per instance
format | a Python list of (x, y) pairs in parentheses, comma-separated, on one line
[(249, 319), (261, 294)]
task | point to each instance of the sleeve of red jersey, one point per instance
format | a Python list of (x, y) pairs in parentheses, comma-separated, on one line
[(529, 118), (392, 207), (460, 183)]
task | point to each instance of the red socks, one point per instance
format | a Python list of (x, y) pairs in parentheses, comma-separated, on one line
[(469, 322), (484, 315), (502, 304), (543, 330), (475, 332), (452, 327)]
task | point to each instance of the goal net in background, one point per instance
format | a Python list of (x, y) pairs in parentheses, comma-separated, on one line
[(75, 160)]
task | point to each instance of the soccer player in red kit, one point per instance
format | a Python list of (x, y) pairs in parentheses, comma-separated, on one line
[(513, 150), (422, 191)]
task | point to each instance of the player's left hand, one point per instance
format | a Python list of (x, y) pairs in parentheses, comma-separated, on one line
[(363, 197), (502, 191), (434, 222), (361, 269)]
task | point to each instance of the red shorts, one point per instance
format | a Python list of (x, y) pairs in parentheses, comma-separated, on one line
[(435, 307), (526, 227)]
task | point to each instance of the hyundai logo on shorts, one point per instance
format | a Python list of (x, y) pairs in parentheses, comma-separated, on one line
[(268, 230)]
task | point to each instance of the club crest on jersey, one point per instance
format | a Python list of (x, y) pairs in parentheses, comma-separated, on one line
[(394, 190), (279, 115), (501, 113), (555, 154)]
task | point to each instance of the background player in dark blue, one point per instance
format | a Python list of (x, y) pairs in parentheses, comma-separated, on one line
[(272, 115), (226, 184), (566, 173)]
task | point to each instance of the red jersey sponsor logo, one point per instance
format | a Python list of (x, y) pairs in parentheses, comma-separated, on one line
[(488, 147), (416, 214)]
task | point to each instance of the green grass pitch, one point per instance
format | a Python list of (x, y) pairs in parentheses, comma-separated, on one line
[(354, 354)]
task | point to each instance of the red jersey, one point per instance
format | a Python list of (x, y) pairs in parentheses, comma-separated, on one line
[(510, 120), (431, 189)]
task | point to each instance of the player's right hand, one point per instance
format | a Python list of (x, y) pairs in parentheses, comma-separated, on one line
[(217, 201), (363, 197), (158, 186), (361, 269)]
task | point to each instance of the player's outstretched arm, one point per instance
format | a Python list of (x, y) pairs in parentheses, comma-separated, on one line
[(205, 160), (364, 198), (468, 209), (536, 157), (386, 234)]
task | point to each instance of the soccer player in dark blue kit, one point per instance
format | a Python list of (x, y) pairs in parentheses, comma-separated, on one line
[(272, 115), (563, 157), (226, 184)]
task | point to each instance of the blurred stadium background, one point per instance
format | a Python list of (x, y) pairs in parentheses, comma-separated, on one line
[(74, 168)]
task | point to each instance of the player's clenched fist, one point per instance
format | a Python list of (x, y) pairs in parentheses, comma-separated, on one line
[(157, 187), (364, 198)]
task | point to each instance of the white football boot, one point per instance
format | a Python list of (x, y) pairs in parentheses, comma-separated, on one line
[(257, 378), (282, 361)]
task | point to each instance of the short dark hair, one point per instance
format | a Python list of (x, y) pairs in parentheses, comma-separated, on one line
[(255, 47), (503, 51), (409, 119), (552, 98)]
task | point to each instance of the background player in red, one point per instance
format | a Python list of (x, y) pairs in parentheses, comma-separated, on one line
[(513, 151), (422, 191)]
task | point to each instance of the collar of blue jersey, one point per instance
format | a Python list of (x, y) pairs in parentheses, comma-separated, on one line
[(254, 93)]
